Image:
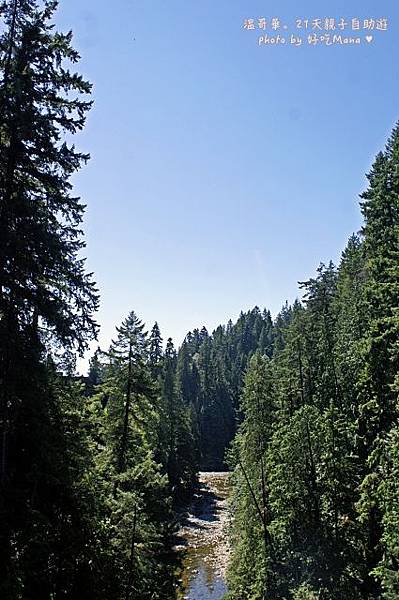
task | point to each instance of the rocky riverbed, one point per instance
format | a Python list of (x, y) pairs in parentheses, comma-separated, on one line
[(203, 540)]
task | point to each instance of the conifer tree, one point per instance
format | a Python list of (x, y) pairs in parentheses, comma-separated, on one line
[(378, 407), (47, 300), (332, 459), (248, 459), (155, 350), (138, 506), (180, 455)]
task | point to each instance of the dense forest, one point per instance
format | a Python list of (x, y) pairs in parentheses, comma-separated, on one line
[(301, 408)]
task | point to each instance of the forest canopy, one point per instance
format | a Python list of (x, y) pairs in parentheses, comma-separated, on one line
[(301, 408)]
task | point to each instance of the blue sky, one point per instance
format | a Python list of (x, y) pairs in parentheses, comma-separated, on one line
[(222, 172)]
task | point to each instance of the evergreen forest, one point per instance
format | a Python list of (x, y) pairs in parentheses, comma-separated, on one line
[(301, 408)]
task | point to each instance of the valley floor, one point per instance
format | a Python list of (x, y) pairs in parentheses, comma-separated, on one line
[(203, 539)]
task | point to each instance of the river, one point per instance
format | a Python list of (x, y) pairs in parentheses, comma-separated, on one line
[(203, 540)]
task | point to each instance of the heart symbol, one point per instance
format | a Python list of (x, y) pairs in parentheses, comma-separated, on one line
[(369, 38)]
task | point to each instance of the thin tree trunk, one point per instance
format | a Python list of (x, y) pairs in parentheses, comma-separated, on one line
[(122, 454), (266, 534)]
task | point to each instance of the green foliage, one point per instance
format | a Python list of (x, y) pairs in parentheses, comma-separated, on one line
[(330, 448), (92, 469), (126, 418), (47, 301), (387, 495), (250, 569), (85, 502), (176, 435), (210, 376)]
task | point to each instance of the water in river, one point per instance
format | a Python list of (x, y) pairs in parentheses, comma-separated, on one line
[(203, 540)]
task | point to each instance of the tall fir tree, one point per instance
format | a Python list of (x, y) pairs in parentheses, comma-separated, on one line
[(138, 507), (378, 398), (47, 299)]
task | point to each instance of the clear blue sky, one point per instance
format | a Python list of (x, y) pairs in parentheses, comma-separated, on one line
[(222, 172)]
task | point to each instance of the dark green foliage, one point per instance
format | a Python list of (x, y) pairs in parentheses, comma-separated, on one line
[(330, 460), (251, 568), (144, 463), (176, 431), (210, 377), (155, 350), (43, 281), (378, 390), (46, 305), (85, 507), (135, 493), (92, 469)]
